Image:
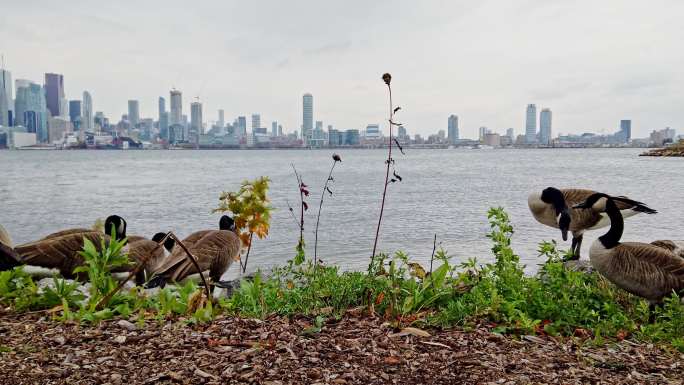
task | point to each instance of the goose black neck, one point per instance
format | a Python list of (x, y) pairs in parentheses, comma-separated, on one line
[(617, 226)]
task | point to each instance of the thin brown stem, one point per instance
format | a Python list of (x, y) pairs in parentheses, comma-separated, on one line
[(389, 161), (318, 218), (105, 300), (434, 247), (244, 267)]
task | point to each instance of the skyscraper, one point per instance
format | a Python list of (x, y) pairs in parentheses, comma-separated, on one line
[(54, 93), (453, 129), (196, 123), (6, 98), (31, 110), (176, 107), (256, 123), (133, 112), (510, 133), (307, 117), (88, 123), (221, 119), (75, 114), (274, 129), (626, 129), (545, 126), (531, 124), (483, 131), (241, 126)]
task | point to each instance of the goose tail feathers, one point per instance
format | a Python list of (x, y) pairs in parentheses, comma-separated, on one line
[(636, 205)]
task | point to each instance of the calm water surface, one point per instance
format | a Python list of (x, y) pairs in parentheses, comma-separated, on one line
[(444, 192)]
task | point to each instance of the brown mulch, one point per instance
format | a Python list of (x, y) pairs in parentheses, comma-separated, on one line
[(354, 350)]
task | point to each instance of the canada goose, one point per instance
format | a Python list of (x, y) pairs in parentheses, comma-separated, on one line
[(214, 250), (642, 269), (554, 208), (8, 257), (148, 251), (675, 247), (61, 252)]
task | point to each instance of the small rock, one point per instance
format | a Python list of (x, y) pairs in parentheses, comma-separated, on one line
[(60, 340), (120, 339), (127, 325)]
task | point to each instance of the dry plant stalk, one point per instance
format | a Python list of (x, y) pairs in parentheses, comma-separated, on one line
[(105, 300)]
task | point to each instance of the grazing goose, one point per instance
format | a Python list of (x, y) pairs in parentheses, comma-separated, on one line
[(148, 251), (554, 208), (8, 257), (642, 269), (61, 252), (215, 250), (675, 247)]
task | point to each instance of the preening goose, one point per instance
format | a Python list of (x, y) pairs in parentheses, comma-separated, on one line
[(215, 250), (554, 208), (61, 252), (642, 269), (8, 257)]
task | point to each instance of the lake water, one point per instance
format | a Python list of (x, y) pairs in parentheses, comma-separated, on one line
[(444, 192)]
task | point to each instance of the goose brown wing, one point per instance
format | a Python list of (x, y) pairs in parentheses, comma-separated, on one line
[(214, 252), (582, 219), (574, 196), (57, 252), (649, 271), (146, 250), (67, 232)]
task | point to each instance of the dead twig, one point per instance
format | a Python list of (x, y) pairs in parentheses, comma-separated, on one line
[(105, 300)]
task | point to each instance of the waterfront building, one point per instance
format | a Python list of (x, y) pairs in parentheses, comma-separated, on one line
[(241, 126), (510, 133), (134, 112), (176, 107), (482, 133), (58, 127), (545, 126), (372, 131), (452, 129), (7, 109), (196, 122), (31, 109), (307, 117), (256, 123), (492, 139), (531, 124), (351, 137), (87, 118), (274, 129), (221, 119), (626, 130), (54, 93), (280, 130), (75, 114), (335, 138)]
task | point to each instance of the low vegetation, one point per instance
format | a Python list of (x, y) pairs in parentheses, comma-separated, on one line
[(555, 301)]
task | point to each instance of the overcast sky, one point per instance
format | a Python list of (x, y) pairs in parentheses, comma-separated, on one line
[(592, 62)]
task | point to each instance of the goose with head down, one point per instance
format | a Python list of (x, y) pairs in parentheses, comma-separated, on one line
[(643, 269), (8, 256), (214, 250), (554, 207), (61, 251)]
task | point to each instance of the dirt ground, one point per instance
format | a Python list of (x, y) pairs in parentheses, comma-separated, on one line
[(354, 350)]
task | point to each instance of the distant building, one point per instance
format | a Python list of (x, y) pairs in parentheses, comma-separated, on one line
[(75, 114), (482, 133), (54, 93), (221, 119), (626, 130), (510, 133), (87, 120), (6, 98), (256, 123), (335, 138), (280, 130), (134, 112), (372, 131), (660, 137), (175, 107), (58, 127), (31, 109), (401, 134), (491, 139), (196, 122), (307, 117), (351, 138), (545, 126), (241, 126), (453, 129), (274, 129), (531, 124)]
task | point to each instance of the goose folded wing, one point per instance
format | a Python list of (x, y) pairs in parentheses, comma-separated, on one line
[(574, 196), (651, 266)]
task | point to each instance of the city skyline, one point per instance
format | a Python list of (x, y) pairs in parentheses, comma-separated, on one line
[(594, 64)]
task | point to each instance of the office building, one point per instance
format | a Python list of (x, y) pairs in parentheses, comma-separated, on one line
[(626, 130), (307, 117), (545, 126), (31, 109), (453, 129), (75, 114), (134, 112), (7, 109), (531, 124), (87, 117), (54, 94)]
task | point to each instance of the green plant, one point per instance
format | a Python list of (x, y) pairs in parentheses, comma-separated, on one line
[(99, 264)]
